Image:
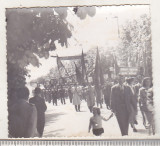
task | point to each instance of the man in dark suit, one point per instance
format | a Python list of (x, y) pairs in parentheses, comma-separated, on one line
[(107, 94), (120, 104), (41, 107), (62, 94)]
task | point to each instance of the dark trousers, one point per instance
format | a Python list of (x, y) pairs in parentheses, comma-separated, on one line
[(90, 108), (107, 102), (145, 122), (40, 124), (63, 100), (123, 120), (77, 107), (54, 101), (70, 98)]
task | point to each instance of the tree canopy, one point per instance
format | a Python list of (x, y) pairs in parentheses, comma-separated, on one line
[(135, 46), (32, 34)]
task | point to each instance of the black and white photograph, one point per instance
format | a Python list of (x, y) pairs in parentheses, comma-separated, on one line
[(82, 71)]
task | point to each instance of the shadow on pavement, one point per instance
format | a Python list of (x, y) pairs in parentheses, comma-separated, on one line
[(51, 118), (54, 133), (142, 131)]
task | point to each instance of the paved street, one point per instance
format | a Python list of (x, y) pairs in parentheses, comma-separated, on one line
[(63, 120)]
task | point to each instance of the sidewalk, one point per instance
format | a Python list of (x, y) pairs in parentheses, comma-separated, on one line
[(63, 120)]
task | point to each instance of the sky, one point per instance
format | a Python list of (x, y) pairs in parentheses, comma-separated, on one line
[(99, 31)]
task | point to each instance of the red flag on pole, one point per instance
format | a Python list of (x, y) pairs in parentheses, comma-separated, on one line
[(98, 74), (59, 63), (116, 67), (78, 75), (84, 74)]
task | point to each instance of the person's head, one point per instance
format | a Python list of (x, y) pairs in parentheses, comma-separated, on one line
[(37, 91), (23, 93), (130, 81), (96, 111), (139, 79), (120, 79), (146, 82)]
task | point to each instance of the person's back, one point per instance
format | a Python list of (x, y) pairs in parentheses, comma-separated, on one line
[(54, 94), (132, 99), (107, 93), (120, 104), (91, 95), (96, 121), (62, 92), (41, 108), (22, 116), (117, 98), (70, 94), (39, 103)]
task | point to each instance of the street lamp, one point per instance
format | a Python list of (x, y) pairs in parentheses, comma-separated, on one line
[(116, 17)]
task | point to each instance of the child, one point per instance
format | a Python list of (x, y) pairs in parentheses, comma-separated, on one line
[(96, 122)]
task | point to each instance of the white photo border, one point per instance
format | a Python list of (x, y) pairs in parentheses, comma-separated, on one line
[(154, 5)]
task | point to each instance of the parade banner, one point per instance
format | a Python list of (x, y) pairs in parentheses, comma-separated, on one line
[(70, 57), (128, 71)]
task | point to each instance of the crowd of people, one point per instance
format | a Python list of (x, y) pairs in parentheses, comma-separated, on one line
[(26, 116), (123, 97), (76, 93)]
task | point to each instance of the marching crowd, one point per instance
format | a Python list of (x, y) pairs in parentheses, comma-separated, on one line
[(122, 96)]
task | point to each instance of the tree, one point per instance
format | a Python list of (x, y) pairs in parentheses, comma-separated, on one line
[(31, 34), (107, 61), (135, 47)]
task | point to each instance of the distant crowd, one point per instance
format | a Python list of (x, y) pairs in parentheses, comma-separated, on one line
[(123, 97)]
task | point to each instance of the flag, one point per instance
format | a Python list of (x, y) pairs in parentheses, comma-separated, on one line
[(116, 67), (78, 75), (98, 74), (59, 63), (62, 70), (84, 74)]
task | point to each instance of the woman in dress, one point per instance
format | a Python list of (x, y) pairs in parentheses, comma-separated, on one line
[(76, 98)]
